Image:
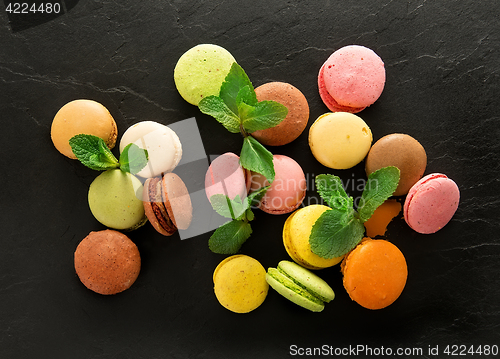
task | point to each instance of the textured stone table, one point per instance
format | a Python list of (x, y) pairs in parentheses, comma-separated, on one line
[(442, 88)]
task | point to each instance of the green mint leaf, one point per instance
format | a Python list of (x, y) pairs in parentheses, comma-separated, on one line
[(133, 158), (254, 197), (235, 80), (247, 96), (93, 152), (223, 205), (215, 107), (265, 114), (380, 186), (331, 190), (228, 238), (257, 158), (335, 233)]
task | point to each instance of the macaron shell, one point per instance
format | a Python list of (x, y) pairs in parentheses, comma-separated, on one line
[(155, 208), (162, 143), (288, 189), (292, 291), (329, 101), (296, 120), (431, 203), (226, 176), (200, 71), (296, 232), (177, 200), (354, 76), (305, 278), (339, 140), (107, 262), (82, 117), (115, 200), (240, 283), (402, 151), (375, 273)]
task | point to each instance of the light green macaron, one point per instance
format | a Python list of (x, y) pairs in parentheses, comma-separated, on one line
[(201, 70), (300, 286), (115, 200)]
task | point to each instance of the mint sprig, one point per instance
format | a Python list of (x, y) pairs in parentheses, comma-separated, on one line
[(238, 110), (339, 230), (93, 152), (228, 238)]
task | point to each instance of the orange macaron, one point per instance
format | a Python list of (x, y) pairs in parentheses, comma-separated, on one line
[(375, 273)]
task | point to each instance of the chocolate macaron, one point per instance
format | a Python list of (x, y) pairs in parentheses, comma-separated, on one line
[(296, 120), (167, 203), (107, 262), (401, 151)]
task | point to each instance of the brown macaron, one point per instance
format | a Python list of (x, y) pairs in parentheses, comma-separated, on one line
[(107, 262), (296, 120), (167, 203), (401, 151)]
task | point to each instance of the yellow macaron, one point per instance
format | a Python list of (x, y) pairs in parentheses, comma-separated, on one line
[(240, 283), (340, 140), (296, 232)]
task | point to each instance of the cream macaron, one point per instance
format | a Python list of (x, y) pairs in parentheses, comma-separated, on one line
[(162, 143)]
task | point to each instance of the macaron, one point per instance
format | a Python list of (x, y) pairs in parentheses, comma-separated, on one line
[(300, 286), (226, 176), (402, 151), (107, 262), (431, 203), (377, 224), (351, 79), (296, 120), (288, 189), (296, 232), (201, 70), (115, 200), (162, 143), (375, 273), (167, 203), (240, 283), (339, 140), (82, 117)]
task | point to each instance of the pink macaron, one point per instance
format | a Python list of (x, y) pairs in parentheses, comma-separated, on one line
[(431, 203), (351, 79), (287, 190), (226, 176)]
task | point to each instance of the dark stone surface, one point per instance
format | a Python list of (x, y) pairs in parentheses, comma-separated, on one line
[(442, 88)]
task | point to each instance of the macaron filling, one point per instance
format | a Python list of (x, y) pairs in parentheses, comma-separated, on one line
[(157, 205), (283, 279)]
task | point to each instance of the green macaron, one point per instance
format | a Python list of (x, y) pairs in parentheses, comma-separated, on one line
[(201, 70), (300, 286), (115, 200)]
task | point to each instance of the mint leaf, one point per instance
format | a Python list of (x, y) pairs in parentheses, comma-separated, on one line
[(223, 205), (257, 158), (247, 96), (133, 158), (380, 186), (331, 190), (92, 152), (235, 80), (215, 107), (335, 233), (228, 238), (254, 197), (265, 114)]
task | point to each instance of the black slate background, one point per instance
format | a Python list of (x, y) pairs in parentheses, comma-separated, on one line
[(442, 62)]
